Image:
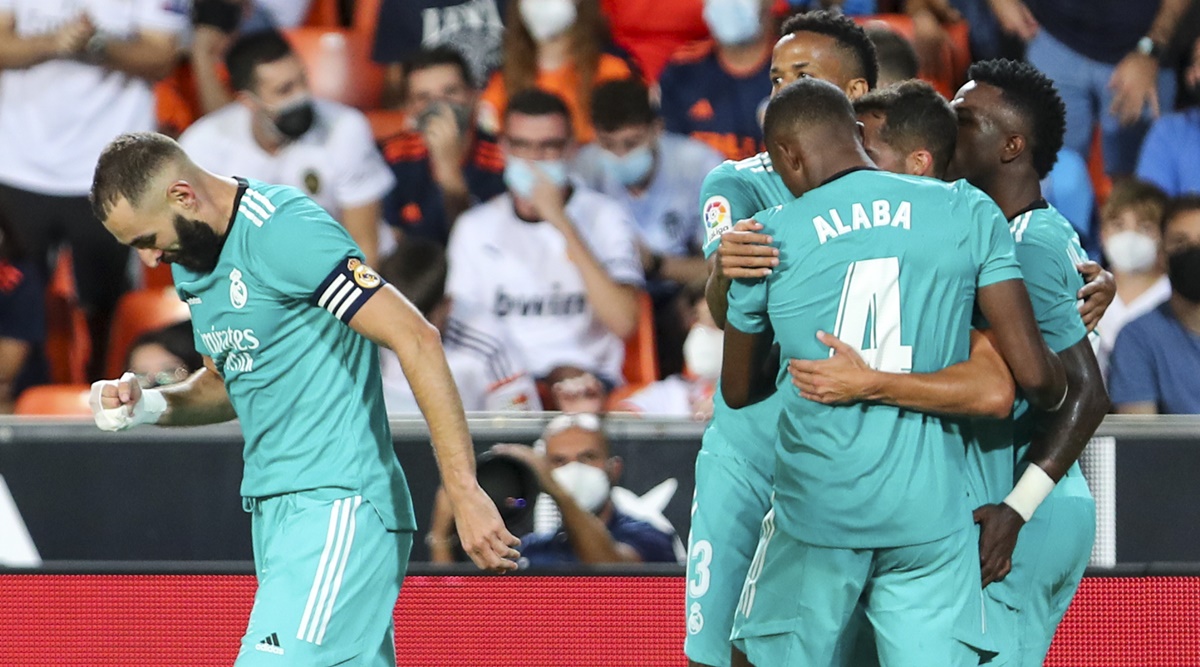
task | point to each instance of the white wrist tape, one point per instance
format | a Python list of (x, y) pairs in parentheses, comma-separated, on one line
[(148, 409), (1030, 491)]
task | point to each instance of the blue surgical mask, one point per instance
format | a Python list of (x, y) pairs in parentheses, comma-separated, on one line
[(631, 168), (733, 22), (520, 176)]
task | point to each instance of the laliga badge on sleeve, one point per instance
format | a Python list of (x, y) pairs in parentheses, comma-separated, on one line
[(717, 218)]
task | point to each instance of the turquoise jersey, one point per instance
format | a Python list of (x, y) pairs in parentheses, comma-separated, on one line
[(305, 386), (1048, 250), (889, 264), (735, 191)]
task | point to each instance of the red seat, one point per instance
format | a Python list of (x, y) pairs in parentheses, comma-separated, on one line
[(137, 313), (54, 399)]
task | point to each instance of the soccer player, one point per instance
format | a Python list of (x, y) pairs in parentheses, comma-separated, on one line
[(870, 502), (735, 467), (288, 318), (1011, 122)]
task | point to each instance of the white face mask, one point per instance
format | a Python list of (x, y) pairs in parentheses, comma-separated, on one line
[(547, 18), (702, 351), (1131, 252), (588, 485)]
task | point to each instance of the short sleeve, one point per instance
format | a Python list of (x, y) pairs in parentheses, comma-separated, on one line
[(399, 33), (1132, 372), (1157, 163), (463, 280), (363, 177), (992, 243), (169, 16), (1047, 276), (724, 199), (748, 305), (615, 244)]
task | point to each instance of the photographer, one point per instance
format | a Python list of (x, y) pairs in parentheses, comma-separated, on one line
[(441, 166)]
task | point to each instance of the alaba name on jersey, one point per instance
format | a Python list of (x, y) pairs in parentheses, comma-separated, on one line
[(336, 162), (520, 273), (889, 264), (736, 191), (273, 316)]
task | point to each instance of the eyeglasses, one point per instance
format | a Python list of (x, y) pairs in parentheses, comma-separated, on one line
[(161, 379)]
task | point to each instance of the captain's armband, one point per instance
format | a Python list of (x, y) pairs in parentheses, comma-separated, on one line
[(347, 288)]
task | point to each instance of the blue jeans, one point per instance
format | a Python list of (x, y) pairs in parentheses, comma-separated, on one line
[(1083, 85)]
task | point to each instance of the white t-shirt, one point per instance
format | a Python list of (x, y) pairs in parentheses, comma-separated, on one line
[(519, 271), (480, 361), (673, 396), (668, 212), (56, 117), (1120, 313), (336, 162)]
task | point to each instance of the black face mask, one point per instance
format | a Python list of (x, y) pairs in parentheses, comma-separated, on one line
[(199, 246), (1183, 268), (296, 118)]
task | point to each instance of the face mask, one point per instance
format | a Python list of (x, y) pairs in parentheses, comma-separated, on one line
[(733, 22), (295, 118), (631, 168), (1183, 268), (702, 351), (1131, 252), (587, 485), (462, 114), (547, 18), (520, 177), (199, 246)]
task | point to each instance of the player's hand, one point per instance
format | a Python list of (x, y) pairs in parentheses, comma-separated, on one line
[(842, 378), (1134, 84), (998, 528), (743, 253), (1097, 294), (1015, 18), (113, 402), (482, 533)]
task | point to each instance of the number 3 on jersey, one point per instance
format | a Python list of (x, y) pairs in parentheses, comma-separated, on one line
[(868, 317)]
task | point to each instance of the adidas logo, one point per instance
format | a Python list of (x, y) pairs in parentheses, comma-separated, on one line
[(269, 645)]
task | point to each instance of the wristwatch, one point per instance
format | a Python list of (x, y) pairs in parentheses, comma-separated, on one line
[(1148, 47), (93, 51)]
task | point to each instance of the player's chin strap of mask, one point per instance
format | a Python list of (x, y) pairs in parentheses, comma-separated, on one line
[(148, 409), (1035, 484)]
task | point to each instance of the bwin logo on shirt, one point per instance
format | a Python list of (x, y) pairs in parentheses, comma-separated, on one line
[(237, 289), (555, 303)]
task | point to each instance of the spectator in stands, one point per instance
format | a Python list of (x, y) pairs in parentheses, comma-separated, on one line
[(276, 132), (441, 164), (689, 393), (164, 356), (652, 30), (557, 46), (1068, 188), (1131, 235), (1104, 58), (22, 320), (555, 262), (577, 471), (473, 27), (1170, 155), (717, 92), (1155, 365), (74, 75), (657, 175), (477, 347), (897, 59)]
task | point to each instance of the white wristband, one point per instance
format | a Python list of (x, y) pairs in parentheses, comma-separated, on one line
[(1030, 491), (150, 409)]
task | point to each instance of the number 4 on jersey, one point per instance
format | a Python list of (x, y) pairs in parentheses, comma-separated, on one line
[(868, 316)]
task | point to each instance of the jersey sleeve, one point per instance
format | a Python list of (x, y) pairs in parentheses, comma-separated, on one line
[(363, 177), (1048, 278), (992, 243), (168, 16), (724, 199), (1131, 377), (748, 305), (308, 256), (615, 245)]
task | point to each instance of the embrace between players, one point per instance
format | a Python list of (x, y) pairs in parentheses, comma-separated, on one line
[(863, 505)]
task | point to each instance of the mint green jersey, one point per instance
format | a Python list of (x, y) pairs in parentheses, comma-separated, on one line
[(306, 387), (735, 191), (889, 264), (1048, 250)]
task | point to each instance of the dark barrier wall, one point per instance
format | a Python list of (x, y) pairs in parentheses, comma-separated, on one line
[(157, 494)]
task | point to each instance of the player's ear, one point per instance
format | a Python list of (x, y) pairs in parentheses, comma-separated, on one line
[(919, 163), (857, 88), (181, 193), (1014, 147)]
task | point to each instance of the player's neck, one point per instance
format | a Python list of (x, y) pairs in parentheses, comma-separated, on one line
[(1187, 312), (224, 192), (1012, 191)]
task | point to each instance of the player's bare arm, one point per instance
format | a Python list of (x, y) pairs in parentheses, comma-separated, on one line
[(978, 387), (744, 379), (200, 399), (741, 253), (1035, 368), (388, 319)]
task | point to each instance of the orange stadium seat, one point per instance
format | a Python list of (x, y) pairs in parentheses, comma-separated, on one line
[(951, 71), (641, 355), (386, 123), (54, 399), (138, 312), (339, 65), (68, 342), (323, 14), (1101, 182), (366, 16)]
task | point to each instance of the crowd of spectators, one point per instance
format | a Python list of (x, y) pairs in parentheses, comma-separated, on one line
[(538, 198)]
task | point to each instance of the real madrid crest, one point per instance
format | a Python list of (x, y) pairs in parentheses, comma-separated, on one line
[(366, 278), (238, 294)]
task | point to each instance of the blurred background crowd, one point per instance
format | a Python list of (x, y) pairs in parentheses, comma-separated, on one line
[(528, 173)]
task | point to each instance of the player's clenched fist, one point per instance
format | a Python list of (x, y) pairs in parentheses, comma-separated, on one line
[(121, 404), (482, 533)]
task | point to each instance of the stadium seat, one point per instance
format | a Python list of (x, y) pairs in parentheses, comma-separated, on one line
[(366, 18), (54, 399), (1101, 182), (68, 342), (641, 355), (386, 123), (339, 65), (323, 14), (138, 312)]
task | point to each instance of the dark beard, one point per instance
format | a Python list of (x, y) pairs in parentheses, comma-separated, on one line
[(199, 246)]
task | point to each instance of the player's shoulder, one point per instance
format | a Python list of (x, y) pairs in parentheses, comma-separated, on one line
[(742, 171), (265, 204)]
